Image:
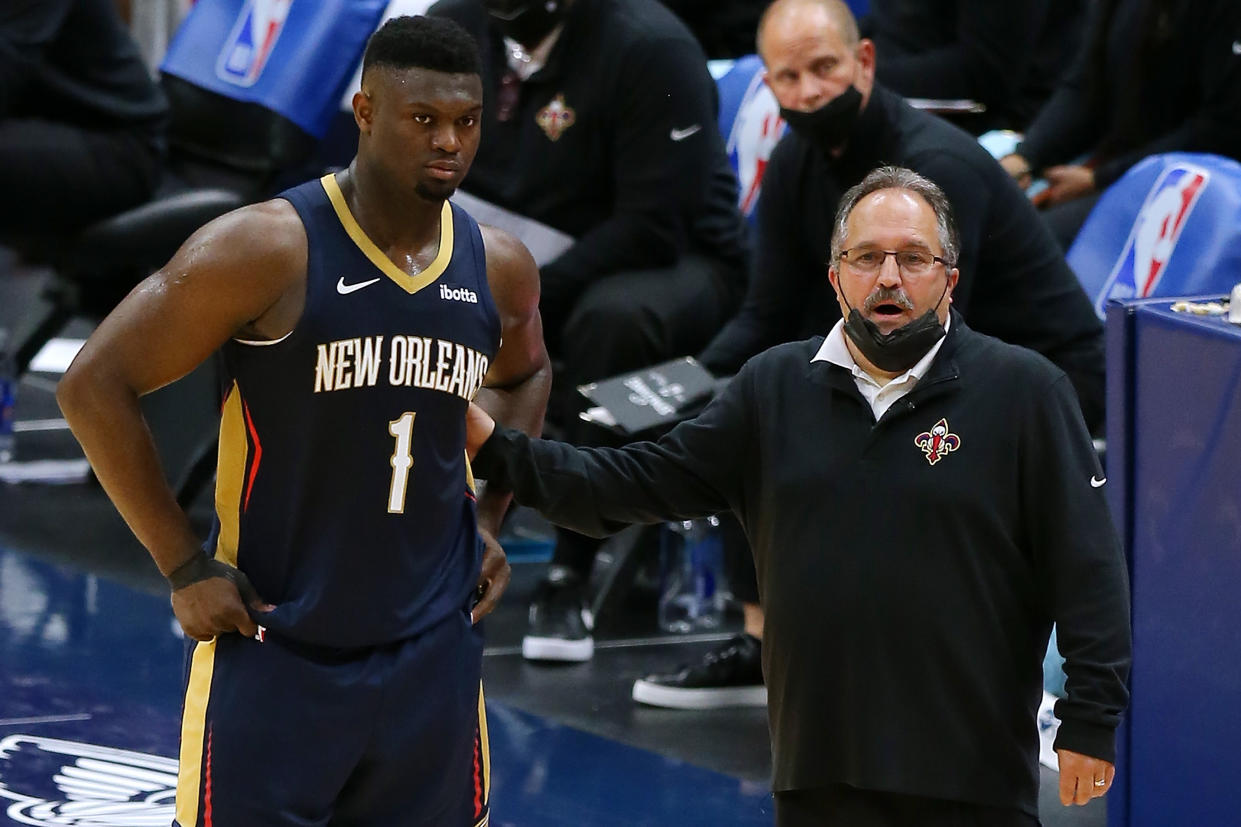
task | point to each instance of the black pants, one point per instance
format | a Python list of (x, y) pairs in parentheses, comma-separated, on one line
[(848, 806), (622, 322), (62, 177)]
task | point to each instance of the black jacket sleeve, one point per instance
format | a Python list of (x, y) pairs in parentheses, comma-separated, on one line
[(1215, 126), (693, 471), (661, 159), (1067, 126), (987, 61), (1080, 566), (772, 306)]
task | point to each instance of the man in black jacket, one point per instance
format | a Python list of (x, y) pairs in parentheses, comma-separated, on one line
[(1153, 76), (1016, 284), (1006, 56), (599, 120), (922, 504)]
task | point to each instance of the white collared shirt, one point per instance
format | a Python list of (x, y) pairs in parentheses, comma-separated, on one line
[(880, 397), (525, 62)]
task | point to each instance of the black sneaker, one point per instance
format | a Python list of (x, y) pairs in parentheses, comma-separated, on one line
[(559, 623), (731, 675)]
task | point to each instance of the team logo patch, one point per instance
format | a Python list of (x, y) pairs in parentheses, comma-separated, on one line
[(938, 442), (555, 118), (50, 781), (1144, 258), (251, 41)]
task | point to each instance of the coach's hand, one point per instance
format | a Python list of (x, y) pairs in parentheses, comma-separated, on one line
[(209, 598), (493, 579), (1082, 777)]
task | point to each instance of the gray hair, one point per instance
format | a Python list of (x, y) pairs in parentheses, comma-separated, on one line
[(898, 178)]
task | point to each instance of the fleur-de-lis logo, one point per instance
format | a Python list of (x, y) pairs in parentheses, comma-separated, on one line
[(50, 781), (555, 118), (938, 442)]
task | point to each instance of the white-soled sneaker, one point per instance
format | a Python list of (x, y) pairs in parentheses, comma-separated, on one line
[(730, 675), (560, 627)]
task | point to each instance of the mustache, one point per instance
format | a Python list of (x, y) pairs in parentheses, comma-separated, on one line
[(888, 295)]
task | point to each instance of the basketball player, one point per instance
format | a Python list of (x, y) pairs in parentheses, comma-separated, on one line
[(358, 314)]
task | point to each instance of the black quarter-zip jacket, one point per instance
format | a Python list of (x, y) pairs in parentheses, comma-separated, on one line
[(908, 602)]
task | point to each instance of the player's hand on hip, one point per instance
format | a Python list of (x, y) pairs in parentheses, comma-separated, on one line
[(1083, 778), (210, 598), (493, 579), (478, 428)]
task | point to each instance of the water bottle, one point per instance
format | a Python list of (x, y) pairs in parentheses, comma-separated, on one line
[(8, 398), (691, 568)]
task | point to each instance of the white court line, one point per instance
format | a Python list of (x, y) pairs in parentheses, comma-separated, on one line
[(40, 425), (46, 719), (627, 643)]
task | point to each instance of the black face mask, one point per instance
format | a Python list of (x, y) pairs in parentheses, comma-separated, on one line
[(901, 349), (828, 126), (526, 21)]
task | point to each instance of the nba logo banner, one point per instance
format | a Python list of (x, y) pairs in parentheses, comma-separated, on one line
[(249, 45), (1152, 240), (754, 136), (750, 118), (291, 58)]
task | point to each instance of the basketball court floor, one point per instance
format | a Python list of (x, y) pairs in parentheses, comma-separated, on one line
[(91, 664)]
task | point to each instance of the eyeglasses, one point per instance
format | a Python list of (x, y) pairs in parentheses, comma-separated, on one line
[(911, 262)]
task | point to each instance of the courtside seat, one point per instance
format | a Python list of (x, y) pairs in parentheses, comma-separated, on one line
[(1171, 226), (95, 268)]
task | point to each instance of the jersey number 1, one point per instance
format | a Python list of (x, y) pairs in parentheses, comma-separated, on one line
[(402, 460)]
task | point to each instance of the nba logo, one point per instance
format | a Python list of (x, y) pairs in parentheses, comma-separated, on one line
[(1145, 256), (753, 137), (251, 41)]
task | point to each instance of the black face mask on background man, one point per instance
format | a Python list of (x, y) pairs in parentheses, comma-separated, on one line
[(526, 21), (901, 349), (828, 126)]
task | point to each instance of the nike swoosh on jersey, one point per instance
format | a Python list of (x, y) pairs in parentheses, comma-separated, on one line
[(1097, 482), (346, 289), (682, 134)]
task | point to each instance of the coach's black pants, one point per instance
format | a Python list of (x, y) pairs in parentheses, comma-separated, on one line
[(848, 806)]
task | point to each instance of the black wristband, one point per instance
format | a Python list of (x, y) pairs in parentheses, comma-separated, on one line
[(203, 567), (191, 571)]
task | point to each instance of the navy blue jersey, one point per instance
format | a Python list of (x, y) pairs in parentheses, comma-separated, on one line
[(343, 489)]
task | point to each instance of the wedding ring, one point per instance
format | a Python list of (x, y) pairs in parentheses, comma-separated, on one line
[(1102, 782)]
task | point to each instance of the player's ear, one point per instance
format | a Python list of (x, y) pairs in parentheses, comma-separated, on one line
[(363, 110)]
